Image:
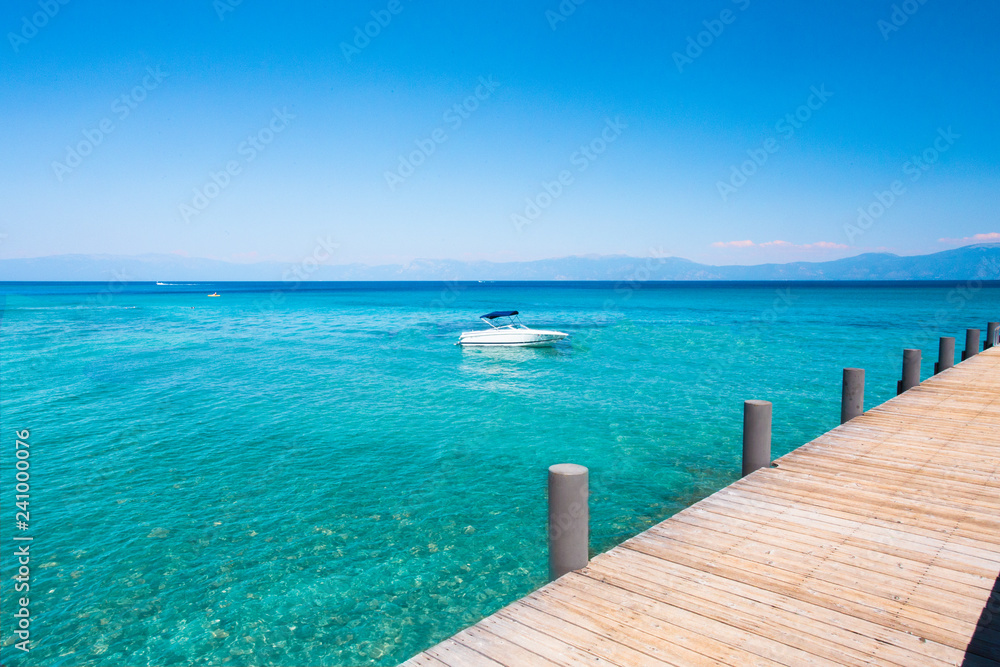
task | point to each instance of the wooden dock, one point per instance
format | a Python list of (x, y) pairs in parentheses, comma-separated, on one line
[(878, 543)]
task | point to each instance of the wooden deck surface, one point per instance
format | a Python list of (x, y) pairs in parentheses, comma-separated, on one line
[(878, 543)]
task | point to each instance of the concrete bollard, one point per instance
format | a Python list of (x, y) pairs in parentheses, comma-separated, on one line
[(946, 354), (971, 344), (852, 399), (911, 371), (569, 518), (992, 329), (756, 435)]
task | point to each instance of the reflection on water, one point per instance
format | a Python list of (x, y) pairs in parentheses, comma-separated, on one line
[(501, 368), (502, 353)]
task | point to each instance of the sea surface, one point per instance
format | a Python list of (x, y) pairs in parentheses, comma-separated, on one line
[(319, 476)]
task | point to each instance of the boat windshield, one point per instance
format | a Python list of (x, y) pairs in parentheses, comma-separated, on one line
[(504, 321)]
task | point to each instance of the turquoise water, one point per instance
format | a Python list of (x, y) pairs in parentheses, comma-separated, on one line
[(320, 477)]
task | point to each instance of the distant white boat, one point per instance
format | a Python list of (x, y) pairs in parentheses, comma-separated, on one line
[(159, 283), (510, 332)]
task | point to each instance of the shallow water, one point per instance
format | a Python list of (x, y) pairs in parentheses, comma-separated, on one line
[(321, 477)]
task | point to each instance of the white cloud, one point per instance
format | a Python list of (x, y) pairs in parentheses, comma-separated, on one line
[(991, 237)]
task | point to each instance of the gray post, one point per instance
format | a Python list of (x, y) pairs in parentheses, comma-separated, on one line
[(971, 343), (911, 371), (756, 435), (852, 399), (991, 334), (946, 354), (569, 519)]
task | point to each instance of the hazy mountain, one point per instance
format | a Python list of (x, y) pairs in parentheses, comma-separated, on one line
[(980, 261)]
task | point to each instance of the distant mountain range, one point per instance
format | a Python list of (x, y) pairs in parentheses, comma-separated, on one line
[(980, 261)]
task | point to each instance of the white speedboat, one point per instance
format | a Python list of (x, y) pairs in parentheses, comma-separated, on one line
[(510, 331)]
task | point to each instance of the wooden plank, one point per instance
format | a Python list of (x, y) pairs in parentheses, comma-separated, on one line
[(923, 483), (874, 528), (654, 576), (425, 659), (497, 648), (827, 587), (615, 642), (972, 523), (675, 625), (892, 587), (867, 554), (940, 580), (455, 654), (553, 651), (888, 541), (713, 623), (964, 472)]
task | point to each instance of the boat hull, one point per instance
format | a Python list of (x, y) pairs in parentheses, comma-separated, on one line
[(511, 338)]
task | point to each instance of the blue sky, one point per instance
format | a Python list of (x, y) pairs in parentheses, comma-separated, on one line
[(725, 131)]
